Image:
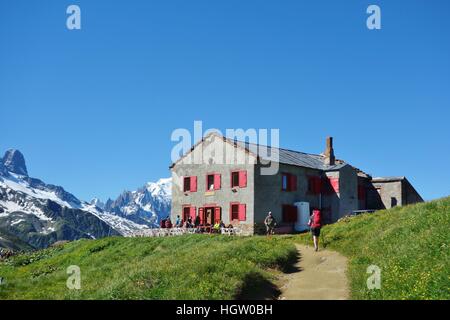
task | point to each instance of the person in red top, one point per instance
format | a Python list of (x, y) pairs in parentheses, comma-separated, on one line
[(315, 223)]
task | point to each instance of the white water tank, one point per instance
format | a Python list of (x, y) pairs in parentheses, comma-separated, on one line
[(302, 216)]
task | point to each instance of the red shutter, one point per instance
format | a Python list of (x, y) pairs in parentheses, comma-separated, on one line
[(200, 214), (193, 184), (242, 179), (317, 185), (217, 215), (217, 181), (192, 213), (292, 182), (242, 212), (361, 193)]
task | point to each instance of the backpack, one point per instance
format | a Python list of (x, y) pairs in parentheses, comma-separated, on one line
[(316, 219)]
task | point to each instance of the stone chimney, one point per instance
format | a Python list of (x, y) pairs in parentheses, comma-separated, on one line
[(329, 152)]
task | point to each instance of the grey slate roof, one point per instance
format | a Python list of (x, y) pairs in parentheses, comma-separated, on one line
[(388, 179), (290, 157)]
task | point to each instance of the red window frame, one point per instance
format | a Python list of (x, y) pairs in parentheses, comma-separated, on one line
[(192, 184), (186, 213), (216, 181), (232, 216), (191, 213), (314, 184), (241, 214), (361, 192), (233, 174), (241, 179), (291, 182), (186, 185)]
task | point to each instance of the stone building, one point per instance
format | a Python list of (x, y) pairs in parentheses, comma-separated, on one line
[(224, 179)]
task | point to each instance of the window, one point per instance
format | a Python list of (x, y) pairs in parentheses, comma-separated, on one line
[(210, 182), (235, 179), (238, 211), (361, 192), (213, 181), (189, 211), (289, 213), (288, 182), (234, 211), (314, 185), (393, 202), (187, 184), (190, 184), (284, 183), (239, 179), (186, 213)]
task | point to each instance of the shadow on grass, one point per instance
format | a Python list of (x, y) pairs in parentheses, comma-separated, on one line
[(257, 287), (290, 265)]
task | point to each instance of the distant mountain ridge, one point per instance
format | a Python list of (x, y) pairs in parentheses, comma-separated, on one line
[(147, 205), (35, 214)]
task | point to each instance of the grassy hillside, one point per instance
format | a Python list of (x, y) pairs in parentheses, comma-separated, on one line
[(410, 244), (188, 267)]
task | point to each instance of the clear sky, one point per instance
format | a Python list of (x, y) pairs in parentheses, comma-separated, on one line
[(93, 109)]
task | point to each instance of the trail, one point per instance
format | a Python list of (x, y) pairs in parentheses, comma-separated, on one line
[(316, 276)]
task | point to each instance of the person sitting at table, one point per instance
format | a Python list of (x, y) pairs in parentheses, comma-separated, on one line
[(221, 225), (178, 222), (189, 223), (168, 223), (197, 221), (216, 227)]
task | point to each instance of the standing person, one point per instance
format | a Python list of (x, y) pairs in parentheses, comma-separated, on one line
[(315, 223), (270, 223)]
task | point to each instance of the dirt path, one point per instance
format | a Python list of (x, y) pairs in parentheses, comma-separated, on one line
[(316, 276)]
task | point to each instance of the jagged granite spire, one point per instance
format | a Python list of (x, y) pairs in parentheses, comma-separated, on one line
[(14, 161)]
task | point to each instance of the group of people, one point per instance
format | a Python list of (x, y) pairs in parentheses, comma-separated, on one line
[(5, 253), (315, 224), (196, 224)]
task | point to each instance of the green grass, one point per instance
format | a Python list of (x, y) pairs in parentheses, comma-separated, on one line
[(188, 267), (410, 244)]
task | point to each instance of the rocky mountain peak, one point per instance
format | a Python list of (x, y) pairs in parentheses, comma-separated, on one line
[(14, 161)]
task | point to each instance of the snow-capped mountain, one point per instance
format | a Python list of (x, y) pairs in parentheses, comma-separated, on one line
[(147, 205), (39, 214)]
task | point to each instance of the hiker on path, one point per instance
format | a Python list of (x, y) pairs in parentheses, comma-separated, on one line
[(270, 223), (315, 223)]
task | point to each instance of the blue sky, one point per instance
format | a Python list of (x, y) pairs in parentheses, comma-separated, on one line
[(93, 109)]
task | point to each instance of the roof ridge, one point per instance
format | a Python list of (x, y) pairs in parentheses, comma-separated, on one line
[(285, 149)]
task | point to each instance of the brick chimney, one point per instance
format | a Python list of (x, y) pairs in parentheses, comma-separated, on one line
[(329, 152)]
